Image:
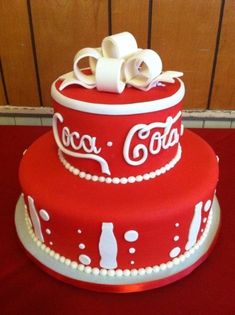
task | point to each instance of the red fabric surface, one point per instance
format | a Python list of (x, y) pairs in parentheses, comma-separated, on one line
[(25, 289)]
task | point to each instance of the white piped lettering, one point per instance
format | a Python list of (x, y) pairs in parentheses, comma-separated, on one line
[(78, 142), (158, 140)]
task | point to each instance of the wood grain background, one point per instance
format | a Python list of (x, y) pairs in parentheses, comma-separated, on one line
[(39, 39)]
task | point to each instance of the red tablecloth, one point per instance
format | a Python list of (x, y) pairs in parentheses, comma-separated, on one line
[(25, 289)]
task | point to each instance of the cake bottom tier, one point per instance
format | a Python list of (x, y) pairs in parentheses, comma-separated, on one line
[(118, 237)]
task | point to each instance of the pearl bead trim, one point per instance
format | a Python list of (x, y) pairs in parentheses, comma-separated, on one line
[(119, 272), (121, 180)]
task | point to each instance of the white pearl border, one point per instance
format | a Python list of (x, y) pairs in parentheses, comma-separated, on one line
[(122, 180), (119, 272)]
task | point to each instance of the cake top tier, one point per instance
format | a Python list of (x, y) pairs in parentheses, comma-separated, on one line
[(116, 64), (119, 120)]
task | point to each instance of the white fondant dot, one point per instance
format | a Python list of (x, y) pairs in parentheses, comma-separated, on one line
[(67, 261), (119, 272), (88, 269), (82, 174), (84, 259), (204, 220), (101, 179), (57, 256), (74, 264), (174, 252), (132, 262), (123, 180), (79, 231), (132, 250), (116, 180), (52, 253), (108, 180), (207, 205), (109, 144), (149, 270), (44, 215), (134, 272), (139, 178), (131, 179), (81, 267), (202, 230), (169, 264), (88, 176), (95, 178), (146, 176), (177, 224), (103, 272), (156, 269), (176, 238), (48, 231), (126, 272), (95, 271), (51, 243), (158, 172), (82, 246), (43, 246), (111, 273), (163, 266), (75, 171), (131, 236), (176, 261), (62, 259)]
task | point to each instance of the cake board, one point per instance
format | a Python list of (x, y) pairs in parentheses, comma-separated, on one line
[(123, 284)]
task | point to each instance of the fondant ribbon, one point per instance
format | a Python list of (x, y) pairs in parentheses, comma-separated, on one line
[(117, 63)]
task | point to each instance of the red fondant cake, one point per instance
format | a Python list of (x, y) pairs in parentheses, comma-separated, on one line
[(118, 197)]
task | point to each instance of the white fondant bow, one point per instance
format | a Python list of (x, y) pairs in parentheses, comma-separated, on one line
[(119, 62)]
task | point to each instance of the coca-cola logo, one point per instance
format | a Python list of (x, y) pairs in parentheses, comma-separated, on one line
[(141, 141), (137, 154)]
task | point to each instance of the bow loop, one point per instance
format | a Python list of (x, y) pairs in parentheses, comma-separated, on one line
[(117, 63)]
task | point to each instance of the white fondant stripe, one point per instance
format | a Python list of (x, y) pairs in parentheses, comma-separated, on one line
[(120, 272), (195, 226), (121, 180), (35, 219), (119, 109)]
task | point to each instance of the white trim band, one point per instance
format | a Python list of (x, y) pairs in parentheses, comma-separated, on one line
[(119, 109), (121, 180)]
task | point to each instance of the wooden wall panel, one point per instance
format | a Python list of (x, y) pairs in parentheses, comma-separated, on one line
[(184, 34), (2, 93), (131, 16), (223, 93), (40, 38), (61, 28), (17, 54)]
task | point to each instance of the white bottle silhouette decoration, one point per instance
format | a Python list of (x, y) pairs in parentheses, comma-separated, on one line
[(108, 247)]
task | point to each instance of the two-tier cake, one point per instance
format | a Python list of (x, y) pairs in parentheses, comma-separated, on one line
[(118, 196)]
